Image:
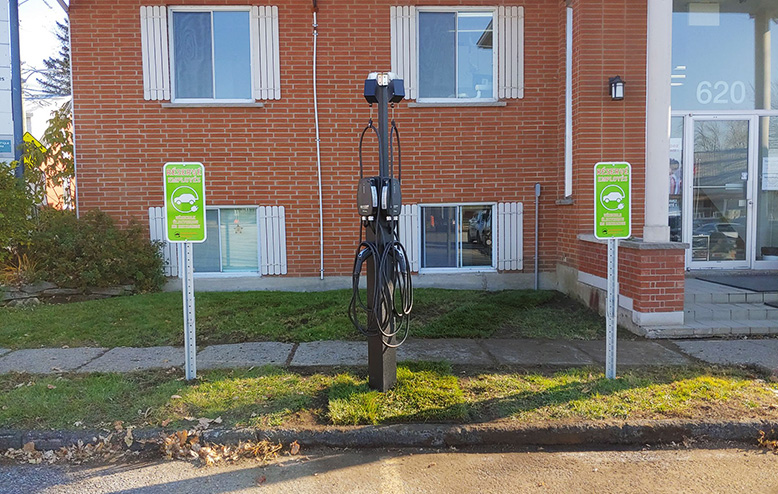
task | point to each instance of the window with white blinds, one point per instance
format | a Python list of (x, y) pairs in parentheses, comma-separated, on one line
[(465, 54), (210, 54)]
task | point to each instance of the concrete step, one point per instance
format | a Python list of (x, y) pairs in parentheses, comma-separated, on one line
[(707, 329), (729, 311), (733, 297)]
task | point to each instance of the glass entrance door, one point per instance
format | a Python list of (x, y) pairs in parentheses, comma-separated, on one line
[(719, 191)]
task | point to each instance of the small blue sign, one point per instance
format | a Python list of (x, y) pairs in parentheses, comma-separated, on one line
[(6, 146)]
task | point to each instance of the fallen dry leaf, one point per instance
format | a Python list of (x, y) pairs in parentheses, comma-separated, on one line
[(51, 386), (118, 425), (128, 439), (166, 422), (260, 480), (294, 448), (28, 447), (175, 397)]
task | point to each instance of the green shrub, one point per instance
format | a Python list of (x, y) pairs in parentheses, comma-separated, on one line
[(17, 208), (93, 251)]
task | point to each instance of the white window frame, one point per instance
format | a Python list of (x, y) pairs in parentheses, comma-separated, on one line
[(252, 51), (459, 269), (233, 274), (495, 48)]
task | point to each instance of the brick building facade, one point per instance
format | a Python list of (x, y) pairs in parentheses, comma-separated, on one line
[(461, 154)]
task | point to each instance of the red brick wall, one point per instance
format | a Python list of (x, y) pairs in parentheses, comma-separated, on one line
[(266, 156), (609, 40), (652, 278)]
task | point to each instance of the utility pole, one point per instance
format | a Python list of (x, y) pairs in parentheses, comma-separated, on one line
[(16, 84)]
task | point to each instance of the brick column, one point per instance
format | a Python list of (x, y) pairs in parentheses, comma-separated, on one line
[(651, 279)]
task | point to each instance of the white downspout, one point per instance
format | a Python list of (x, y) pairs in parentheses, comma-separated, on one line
[(318, 147)]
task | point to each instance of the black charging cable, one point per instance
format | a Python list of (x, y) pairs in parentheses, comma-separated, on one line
[(393, 300)]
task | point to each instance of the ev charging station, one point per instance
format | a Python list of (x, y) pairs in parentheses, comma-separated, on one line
[(385, 314)]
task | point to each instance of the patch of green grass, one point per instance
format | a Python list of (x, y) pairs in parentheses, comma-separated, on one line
[(269, 397), (94, 400), (235, 317), (644, 394), (423, 393)]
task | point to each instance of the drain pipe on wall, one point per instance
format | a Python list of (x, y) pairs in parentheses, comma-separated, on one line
[(315, 11), (537, 216)]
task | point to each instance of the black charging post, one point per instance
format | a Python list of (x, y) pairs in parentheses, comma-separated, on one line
[(381, 89)]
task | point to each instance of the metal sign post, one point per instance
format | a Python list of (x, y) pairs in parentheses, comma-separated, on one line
[(185, 224), (612, 221)]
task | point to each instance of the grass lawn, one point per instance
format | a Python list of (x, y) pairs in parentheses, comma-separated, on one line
[(235, 317), (271, 396)]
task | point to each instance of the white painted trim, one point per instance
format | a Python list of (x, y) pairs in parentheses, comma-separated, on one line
[(569, 104), (170, 91), (651, 319)]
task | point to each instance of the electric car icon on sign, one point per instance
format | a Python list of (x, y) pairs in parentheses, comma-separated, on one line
[(184, 199), (613, 196), (188, 198)]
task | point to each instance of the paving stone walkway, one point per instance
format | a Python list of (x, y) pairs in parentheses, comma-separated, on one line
[(489, 352)]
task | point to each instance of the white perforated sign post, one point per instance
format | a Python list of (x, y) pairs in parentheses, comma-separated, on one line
[(612, 221), (185, 224)]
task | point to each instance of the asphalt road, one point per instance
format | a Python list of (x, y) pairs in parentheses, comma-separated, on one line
[(707, 469)]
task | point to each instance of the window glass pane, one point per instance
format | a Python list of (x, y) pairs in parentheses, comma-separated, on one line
[(206, 254), (437, 54), (676, 179), (239, 239), (725, 55), (474, 55), (767, 197), (719, 194), (476, 240), (193, 64), (231, 55), (439, 241)]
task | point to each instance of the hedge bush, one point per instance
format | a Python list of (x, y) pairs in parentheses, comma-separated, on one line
[(93, 251)]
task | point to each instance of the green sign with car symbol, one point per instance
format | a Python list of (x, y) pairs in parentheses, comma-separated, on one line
[(185, 202), (612, 201)]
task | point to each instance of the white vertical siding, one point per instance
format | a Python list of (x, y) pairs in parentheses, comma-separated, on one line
[(157, 234), (510, 52), (272, 240), (409, 231), (403, 46), (154, 53), (265, 53), (510, 239)]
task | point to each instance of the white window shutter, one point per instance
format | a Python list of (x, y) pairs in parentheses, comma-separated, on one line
[(154, 53), (272, 239), (403, 49), (510, 52), (510, 240), (409, 233), (265, 53), (157, 234)]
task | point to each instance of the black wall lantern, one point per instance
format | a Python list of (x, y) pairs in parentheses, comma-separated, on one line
[(616, 88)]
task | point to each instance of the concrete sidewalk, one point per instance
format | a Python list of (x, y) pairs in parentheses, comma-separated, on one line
[(483, 353)]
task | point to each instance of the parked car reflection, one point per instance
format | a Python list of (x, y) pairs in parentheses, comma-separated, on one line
[(480, 227)]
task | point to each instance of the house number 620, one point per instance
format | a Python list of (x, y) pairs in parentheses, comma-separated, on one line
[(721, 92)]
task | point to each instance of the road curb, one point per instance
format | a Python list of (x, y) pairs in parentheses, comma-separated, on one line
[(436, 435)]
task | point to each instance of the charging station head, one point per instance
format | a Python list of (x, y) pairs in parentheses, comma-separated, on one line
[(371, 90), (396, 90)]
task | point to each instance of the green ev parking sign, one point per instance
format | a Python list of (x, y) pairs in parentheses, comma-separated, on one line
[(185, 202), (612, 200)]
